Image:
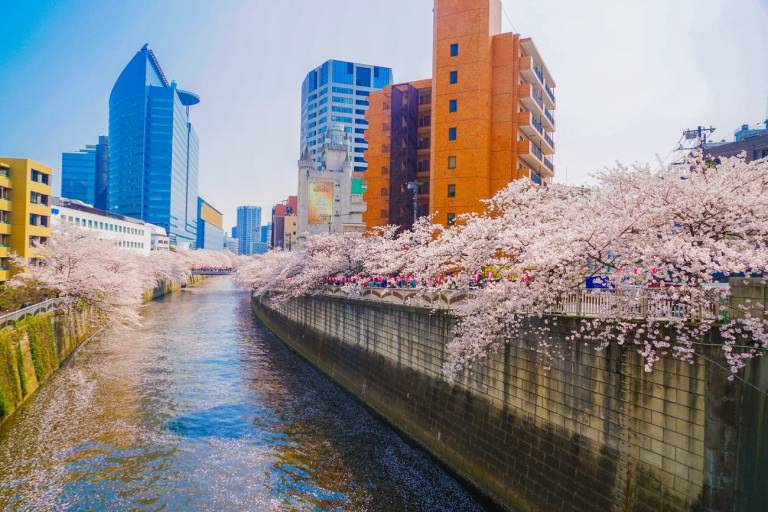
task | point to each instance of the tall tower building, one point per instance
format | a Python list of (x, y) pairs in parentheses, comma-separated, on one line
[(85, 174), (248, 228), (153, 152), (491, 119), (336, 92)]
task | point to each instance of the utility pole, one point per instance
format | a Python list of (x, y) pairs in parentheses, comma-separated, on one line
[(413, 186), (690, 140)]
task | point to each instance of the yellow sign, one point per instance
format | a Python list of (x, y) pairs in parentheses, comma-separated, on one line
[(320, 202)]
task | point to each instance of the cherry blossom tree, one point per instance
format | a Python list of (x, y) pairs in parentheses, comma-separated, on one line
[(81, 269), (657, 239)]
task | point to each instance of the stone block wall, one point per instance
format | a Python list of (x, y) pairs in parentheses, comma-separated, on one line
[(584, 431)]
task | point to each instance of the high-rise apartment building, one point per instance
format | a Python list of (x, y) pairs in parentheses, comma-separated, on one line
[(210, 226), (336, 92), (491, 119), (248, 228), (25, 209), (153, 150), (85, 174)]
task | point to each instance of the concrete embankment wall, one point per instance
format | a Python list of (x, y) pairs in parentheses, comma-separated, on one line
[(38, 345), (587, 431), (35, 348)]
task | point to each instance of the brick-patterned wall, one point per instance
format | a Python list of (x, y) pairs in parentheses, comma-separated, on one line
[(588, 430)]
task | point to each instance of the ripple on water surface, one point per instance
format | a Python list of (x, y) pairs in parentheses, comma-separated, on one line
[(202, 408)]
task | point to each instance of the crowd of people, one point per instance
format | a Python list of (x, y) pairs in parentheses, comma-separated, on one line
[(401, 281)]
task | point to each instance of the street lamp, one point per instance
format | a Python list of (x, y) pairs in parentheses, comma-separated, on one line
[(413, 186)]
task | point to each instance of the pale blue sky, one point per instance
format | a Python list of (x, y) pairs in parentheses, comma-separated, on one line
[(631, 75)]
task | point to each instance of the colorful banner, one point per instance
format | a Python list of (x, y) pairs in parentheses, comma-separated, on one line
[(320, 202)]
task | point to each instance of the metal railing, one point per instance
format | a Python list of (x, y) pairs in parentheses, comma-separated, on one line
[(583, 304), (10, 318), (549, 92), (549, 116), (549, 164), (536, 151), (549, 140)]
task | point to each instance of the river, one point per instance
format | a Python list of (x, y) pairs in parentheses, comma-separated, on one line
[(203, 408)]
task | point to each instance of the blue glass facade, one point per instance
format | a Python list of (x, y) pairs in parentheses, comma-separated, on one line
[(153, 152), (85, 174), (209, 236), (248, 228), (336, 92)]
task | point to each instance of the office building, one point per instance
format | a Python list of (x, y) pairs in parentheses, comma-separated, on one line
[(160, 240), (233, 233), (85, 174), (248, 228), (266, 234), (130, 234), (280, 211), (751, 140), (400, 131), (230, 244), (336, 92), (330, 198), (25, 210), (490, 121), (153, 150), (210, 226)]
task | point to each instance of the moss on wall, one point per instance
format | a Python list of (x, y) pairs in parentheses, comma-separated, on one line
[(35, 348)]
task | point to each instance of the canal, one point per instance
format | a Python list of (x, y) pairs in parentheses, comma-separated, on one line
[(202, 408)]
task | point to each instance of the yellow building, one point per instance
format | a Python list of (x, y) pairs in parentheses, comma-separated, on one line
[(25, 209)]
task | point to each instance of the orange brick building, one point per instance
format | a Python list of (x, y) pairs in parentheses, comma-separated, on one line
[(490, 120)]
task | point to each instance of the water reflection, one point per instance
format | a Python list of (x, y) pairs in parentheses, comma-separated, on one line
[(203, 409)]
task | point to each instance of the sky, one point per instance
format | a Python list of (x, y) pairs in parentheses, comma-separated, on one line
[(630, 75)]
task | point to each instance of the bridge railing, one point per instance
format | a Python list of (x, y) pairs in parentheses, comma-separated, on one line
[(10, 318)]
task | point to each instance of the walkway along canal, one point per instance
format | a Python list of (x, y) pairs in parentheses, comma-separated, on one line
[(202, 408)]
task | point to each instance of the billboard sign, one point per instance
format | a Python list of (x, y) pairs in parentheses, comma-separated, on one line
[(320, 202)]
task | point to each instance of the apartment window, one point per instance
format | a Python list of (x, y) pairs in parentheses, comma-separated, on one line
[(384, 170), (454, 77), (451, 219), (453, 105), (452, 133), (451, 162), (454, 49), (451, 190), (384, 192)]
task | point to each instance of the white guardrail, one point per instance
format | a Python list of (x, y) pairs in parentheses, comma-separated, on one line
[(585, 304), (10, 318)]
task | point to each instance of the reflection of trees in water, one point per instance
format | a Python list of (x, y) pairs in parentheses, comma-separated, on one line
[(202, 407), (339, 456)]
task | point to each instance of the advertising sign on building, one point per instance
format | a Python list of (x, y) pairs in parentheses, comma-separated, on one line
[(320, 202)]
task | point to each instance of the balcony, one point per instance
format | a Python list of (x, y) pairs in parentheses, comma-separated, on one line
[(550, 96), (534, 158), (530, 99), (548, 120), (534, 129), (5, 227)]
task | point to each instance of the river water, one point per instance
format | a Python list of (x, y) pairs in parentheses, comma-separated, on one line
[(202, 408)]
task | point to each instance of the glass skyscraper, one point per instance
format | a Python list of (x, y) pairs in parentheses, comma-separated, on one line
[(85, 174), (248, 228), (153, 151), (336, 92)]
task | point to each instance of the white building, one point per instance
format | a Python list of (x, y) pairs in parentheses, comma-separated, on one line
[(128, 233), (331, 196), (160, 240)]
